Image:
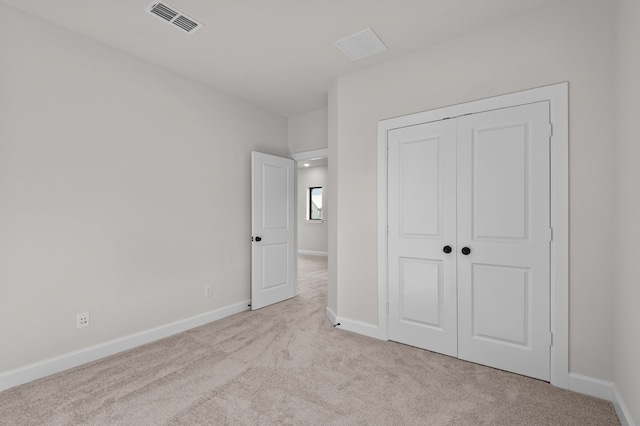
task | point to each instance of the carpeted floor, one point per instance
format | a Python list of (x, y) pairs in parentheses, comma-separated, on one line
[(286, 364)]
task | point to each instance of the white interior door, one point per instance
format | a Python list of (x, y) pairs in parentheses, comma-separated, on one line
[(478, 184), (422, 270), (504, 220), (272, 229)]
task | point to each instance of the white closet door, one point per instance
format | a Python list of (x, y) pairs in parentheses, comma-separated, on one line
[(422, 206), (503, 219)]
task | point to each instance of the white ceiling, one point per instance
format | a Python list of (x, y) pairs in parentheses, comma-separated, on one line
[(279, 54)]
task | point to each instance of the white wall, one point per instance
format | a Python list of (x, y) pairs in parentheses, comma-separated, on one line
[(125, 189), (312, 234), (627, 246), (308, 131), (568, 42)]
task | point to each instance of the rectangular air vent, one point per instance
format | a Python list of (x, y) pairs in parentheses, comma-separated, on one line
[(360, 45), (174, 17)]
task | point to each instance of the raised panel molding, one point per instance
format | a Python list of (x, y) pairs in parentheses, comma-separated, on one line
[(488, 319), (417, 277), (272, 256), (420, 217), (489, 219), (275, 214)]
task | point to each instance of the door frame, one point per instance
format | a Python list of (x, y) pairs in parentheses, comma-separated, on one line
[(558, 97)]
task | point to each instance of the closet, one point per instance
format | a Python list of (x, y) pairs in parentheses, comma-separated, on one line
[(469, 234)]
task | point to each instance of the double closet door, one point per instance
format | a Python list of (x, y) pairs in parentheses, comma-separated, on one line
[(469, 237)]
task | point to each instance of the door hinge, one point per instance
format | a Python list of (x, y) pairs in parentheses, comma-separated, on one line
[(550, 339), (386, 153), (387, 307), (387, 230), (550, 130), (550, 234)]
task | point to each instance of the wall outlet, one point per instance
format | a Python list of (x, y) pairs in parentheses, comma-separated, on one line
[(82, 320), (207, 291)]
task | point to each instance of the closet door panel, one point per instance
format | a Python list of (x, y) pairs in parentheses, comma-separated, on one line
[(503, 221), (422, 281)]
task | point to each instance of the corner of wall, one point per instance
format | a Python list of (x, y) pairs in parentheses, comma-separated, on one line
[(332, 212)]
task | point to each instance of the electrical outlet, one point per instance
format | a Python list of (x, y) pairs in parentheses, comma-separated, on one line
[(82, 320), (207, 291)]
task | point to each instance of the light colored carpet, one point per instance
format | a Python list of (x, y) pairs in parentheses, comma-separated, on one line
[(286, 364)]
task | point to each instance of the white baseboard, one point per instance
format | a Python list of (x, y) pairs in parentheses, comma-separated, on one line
[(588, 385), (331, 315), (313, 253), (359, 327), (621, 408), (38, 370), (602, 389)]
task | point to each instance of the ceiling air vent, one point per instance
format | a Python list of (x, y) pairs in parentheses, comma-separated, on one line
[(360, 45), (174, 17)]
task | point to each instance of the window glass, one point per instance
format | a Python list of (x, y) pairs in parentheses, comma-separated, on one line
[(315, 203)]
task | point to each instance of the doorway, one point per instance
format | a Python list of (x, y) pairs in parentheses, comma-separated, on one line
[(312, 180), (311, 207)]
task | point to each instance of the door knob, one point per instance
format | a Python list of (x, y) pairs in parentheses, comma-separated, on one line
[(258, 238), (466, 250), (447, 249)]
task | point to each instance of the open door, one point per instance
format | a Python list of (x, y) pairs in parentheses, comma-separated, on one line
[(272, 229)]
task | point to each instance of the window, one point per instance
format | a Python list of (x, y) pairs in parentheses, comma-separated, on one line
[(315, 203)]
